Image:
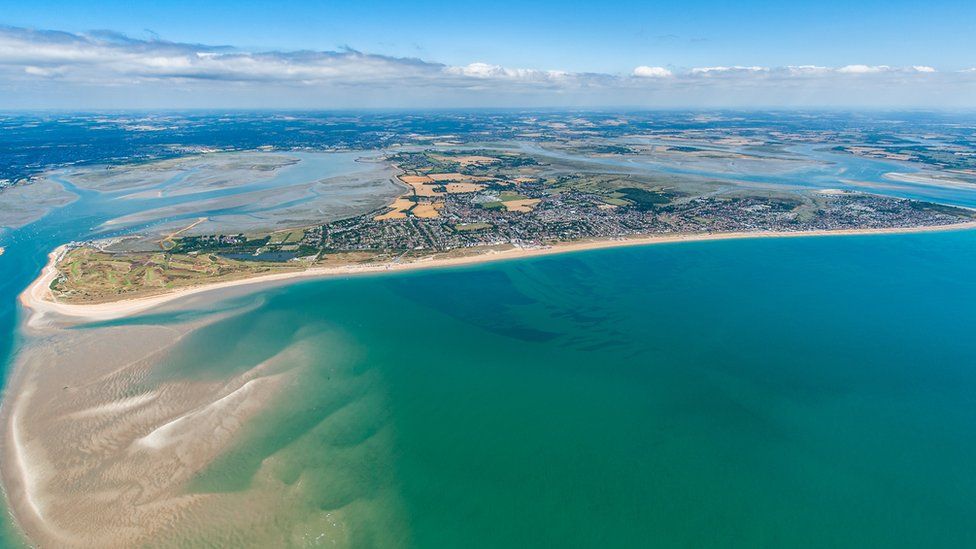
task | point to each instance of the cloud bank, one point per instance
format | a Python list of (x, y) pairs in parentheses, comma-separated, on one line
[(41, 68)]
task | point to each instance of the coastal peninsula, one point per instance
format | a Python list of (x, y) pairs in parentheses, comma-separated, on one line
[(462, 207)]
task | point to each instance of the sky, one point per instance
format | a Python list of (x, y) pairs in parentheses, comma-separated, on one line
[(289, 54)]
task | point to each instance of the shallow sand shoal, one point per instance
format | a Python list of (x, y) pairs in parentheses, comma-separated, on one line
[(934, 179), (96, 454)]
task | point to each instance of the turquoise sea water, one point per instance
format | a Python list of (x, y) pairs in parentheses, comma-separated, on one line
[(772, 392)]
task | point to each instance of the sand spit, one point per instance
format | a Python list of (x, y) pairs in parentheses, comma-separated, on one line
[(39, 299), (934, 179)]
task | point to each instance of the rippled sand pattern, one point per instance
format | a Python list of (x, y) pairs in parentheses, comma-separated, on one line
[(115, 440)]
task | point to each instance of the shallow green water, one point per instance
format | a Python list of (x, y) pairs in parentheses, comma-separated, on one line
[(774, 392)]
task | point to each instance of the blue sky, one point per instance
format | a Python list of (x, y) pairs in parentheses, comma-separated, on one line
[(608, 38), (574, 36)]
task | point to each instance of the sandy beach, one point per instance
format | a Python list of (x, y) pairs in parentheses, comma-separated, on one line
[(39, 299)]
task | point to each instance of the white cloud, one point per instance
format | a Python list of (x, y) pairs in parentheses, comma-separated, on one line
[(100, 59), (735, 69), (108, 60), (644, 71), (863, 69), (43, 71), (806, 70), (488, 71), (478, 70), (104, 65)]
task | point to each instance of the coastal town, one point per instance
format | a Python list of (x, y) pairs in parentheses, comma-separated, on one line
[(453, 203), (457, 200)]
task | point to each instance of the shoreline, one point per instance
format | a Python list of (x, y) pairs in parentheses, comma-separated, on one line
[(38, 299)]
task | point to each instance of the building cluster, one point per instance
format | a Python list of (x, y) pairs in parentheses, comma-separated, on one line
[(574, 215)]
